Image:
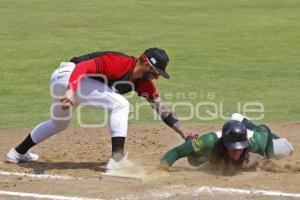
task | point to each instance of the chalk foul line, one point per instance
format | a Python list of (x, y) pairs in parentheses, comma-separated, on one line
[(162, 193), (183, 190), (43, 196), (39, 176)]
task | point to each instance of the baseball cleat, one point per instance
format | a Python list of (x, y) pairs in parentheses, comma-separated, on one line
[(238, 117), (112, 165), (14, 157)]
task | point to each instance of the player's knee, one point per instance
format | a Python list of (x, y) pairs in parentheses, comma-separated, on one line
[(60, 125), (282, 147), (123, 104), (289, 146)]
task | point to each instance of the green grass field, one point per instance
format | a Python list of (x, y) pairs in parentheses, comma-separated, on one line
[(237, 50)]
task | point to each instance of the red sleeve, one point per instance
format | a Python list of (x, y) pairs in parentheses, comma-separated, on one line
[(85, 67), (147, 89)]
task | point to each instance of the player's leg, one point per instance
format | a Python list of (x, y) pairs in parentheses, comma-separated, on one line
[(41, 132), (282, 147), (60, 119), (118, 127), (249, 124), (246, 121), (98, 95)]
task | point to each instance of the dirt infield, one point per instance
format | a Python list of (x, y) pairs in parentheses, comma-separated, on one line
[(81, 153)]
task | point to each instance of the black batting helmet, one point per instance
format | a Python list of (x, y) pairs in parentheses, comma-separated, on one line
[(234, 135)]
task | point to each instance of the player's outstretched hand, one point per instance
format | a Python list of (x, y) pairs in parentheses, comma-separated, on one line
[(68, 100), (163, 165)]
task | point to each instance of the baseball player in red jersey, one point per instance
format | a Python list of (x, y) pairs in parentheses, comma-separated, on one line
[(98, 80)]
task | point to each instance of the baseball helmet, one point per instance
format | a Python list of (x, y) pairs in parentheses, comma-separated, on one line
[(234, 135)]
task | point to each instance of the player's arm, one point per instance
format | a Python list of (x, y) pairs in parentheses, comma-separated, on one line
[(166, 114), (148, 90), (200, 146), (177, 152), (78, 73)]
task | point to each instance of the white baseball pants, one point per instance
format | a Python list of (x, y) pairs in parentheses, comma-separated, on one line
[(90, 93), (282, 147)]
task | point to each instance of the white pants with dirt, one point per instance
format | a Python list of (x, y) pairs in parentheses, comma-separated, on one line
[(90, 93), (282, 148)]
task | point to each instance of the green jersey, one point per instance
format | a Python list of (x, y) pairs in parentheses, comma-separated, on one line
[(260, 139)]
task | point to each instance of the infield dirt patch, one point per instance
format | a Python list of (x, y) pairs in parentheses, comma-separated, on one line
[(83, 153)]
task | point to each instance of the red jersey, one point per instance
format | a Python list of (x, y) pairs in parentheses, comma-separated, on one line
[(116, 67)]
